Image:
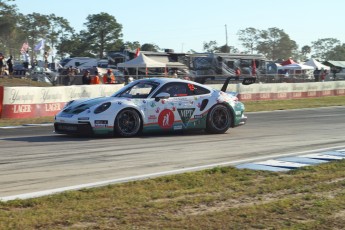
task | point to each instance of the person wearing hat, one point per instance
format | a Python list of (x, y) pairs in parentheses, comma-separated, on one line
[(86, 78), (109, 77), (95, 79)]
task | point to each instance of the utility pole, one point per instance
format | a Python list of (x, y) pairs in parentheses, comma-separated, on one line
[(226, 35)]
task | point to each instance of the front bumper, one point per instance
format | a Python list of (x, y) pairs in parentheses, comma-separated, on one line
[(79, 129), (242, 121)]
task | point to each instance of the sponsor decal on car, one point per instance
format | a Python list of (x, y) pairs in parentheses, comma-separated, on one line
[(83, 118), (198, 116), (101, 123), (185, 115), (166, 119), (178, 127)]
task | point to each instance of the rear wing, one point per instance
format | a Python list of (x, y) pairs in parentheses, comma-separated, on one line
[(245, 81)]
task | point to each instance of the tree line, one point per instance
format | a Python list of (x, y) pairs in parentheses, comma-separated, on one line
[(103, 33)]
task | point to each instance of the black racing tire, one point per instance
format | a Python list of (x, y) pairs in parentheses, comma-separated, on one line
[(127, 123), (219, 119)]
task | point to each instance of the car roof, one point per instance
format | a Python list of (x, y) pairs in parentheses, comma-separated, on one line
[(163, 80)]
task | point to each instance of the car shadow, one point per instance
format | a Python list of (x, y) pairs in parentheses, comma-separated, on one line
[(71, 138)]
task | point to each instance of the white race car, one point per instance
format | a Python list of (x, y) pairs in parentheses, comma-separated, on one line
[(154, 104)]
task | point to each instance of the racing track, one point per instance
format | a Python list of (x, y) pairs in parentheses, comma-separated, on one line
[(35, 159)]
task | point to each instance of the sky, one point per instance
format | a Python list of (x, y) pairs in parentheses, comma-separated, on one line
[(184, 25)]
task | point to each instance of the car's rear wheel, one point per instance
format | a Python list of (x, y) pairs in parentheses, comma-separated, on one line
[(218, 119), (127, 123)]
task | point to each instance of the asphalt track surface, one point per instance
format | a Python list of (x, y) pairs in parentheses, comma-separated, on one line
[(34, 159)]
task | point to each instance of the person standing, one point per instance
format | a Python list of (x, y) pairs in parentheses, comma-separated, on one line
[(317, 75), (323, 75), (95, 79), (26, 60), (126, 76), (109, 77), (2, 63), (10, 65), (237, 73), (45, 59), (86, 78)]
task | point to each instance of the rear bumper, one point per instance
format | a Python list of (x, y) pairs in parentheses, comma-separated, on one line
[(76, 129)]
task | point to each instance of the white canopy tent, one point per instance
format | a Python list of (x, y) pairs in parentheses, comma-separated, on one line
[(141, 61), (314, 63), (296, 66)]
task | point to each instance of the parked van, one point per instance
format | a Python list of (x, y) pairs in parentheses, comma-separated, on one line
[(82, 63)]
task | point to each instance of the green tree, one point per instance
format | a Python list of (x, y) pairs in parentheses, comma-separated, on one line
[(337, 53), (59, 27), (34, 27), (103, 33), (211, 47), (131, 45), (224, 49), (76, 45), (274, 43), (8, 27), (150, 47), (249, 38), (322, 46), (306, 50)]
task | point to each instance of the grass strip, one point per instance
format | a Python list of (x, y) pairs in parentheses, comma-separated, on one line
[(218, 198)]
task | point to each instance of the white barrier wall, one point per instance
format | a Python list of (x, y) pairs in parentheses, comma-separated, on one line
[(25, 102), (290, 90), (29, 102)]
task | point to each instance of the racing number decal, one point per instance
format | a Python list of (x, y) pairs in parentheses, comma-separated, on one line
[(166, 119)]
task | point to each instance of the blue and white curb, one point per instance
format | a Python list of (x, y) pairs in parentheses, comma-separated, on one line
[(288, 163)]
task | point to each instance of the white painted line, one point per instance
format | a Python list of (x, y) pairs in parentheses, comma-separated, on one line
[(323, 156), (278, 163), (146, 176), (26, 126)]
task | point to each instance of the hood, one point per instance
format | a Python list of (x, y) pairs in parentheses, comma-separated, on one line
[(78, 107)]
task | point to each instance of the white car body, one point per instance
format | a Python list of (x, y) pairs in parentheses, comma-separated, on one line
[(149, 105)]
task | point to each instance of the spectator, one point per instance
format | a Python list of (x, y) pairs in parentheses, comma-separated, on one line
[(95, 79), (45, 59), (237, 73), (26, 60), (126, 76), (2, 63), (86, 78), (323, 75), (67, 78), (317, 75), (10, 65), (175, 74), (334, 71), (109, 77)]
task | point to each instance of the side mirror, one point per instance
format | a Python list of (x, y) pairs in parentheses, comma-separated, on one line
[(162, 95), (249, 80)]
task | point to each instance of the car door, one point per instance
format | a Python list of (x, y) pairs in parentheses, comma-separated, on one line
[(176, 112)]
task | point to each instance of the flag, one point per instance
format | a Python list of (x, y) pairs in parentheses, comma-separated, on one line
[(24, 48), (137, 52), (40, 45)]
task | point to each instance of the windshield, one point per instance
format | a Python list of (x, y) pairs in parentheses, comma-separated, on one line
[(140, 90)]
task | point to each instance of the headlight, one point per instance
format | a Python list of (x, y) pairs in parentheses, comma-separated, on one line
[(102, 108)]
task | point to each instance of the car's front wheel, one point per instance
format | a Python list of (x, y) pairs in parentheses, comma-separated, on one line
[(218, 119), (127, 123)]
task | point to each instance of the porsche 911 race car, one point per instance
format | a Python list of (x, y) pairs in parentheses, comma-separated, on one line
[(153, 104)]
